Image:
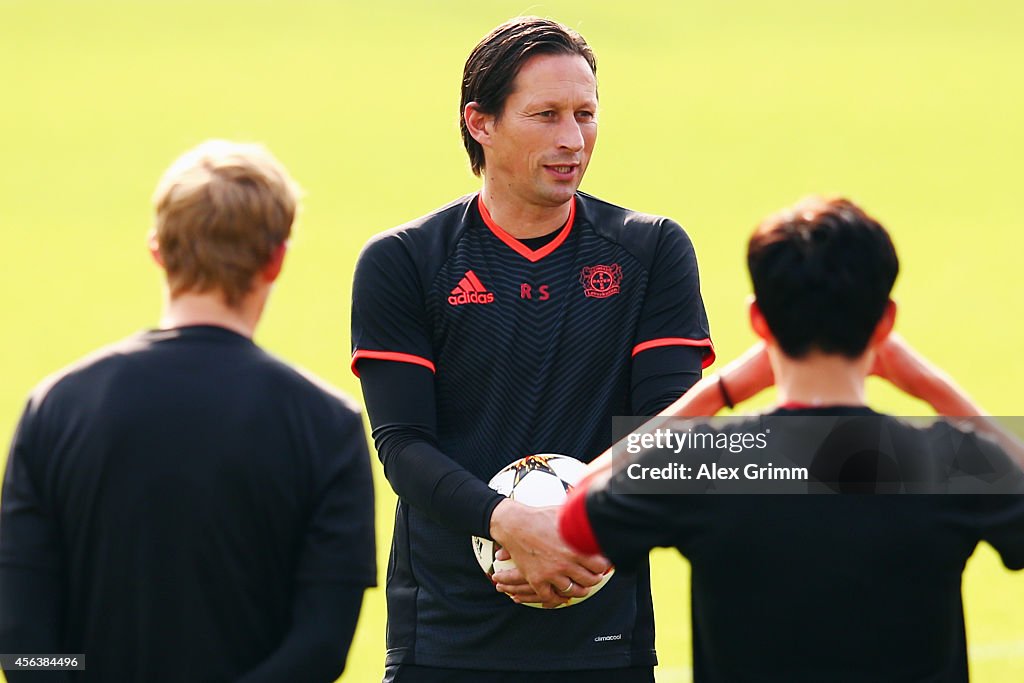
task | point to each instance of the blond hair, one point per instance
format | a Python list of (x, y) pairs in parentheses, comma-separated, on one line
[(222, 210)]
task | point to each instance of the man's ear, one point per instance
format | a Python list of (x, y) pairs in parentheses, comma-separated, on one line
[(273, 268), (154, 247), (884, 326), (757, 321), (479, 124)]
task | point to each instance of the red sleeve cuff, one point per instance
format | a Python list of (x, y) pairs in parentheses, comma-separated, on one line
[(709, 353), (390, 355), (574, 524)]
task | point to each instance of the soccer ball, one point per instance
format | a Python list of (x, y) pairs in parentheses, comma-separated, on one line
[(539, 481)]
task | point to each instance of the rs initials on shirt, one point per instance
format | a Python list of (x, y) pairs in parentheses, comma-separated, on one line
[(527, 291)]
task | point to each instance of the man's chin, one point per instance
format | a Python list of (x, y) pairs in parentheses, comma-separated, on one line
[(559, 195)]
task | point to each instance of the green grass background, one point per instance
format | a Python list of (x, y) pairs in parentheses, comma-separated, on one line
[(714, 113)]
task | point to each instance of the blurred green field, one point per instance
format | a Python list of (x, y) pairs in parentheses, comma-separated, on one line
[(712, 113)]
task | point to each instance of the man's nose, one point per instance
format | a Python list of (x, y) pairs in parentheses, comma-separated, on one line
[(570, 135)]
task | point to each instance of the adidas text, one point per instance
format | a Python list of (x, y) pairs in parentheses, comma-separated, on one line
[(471, 298)]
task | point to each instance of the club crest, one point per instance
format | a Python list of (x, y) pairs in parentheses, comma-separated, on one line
[(601, 282)]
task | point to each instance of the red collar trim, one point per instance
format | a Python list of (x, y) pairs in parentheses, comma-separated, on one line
[(517, 246)]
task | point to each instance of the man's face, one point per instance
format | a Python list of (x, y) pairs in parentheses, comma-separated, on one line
[(541, 144)]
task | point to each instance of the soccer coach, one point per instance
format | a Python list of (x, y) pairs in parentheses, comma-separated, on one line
[(182, 505), (514, 321)]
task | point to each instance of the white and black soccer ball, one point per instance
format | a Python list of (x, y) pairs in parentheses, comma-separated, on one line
[(538, 481)]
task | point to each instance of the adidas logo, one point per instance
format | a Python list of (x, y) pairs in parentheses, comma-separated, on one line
[(470, 291)]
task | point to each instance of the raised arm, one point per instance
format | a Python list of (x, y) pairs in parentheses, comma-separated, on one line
[(900, 364)]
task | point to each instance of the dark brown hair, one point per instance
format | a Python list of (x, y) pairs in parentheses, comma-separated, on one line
[(822, 274), (494, 63)]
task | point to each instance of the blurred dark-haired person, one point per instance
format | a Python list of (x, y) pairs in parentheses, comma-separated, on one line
[(181, 505), (513, 321), (803, 588)]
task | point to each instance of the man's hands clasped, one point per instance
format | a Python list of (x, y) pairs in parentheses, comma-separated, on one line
[(546, 570)]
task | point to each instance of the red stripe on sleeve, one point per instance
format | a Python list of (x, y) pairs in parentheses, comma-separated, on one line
[(574, 524), (709, 355), (390, 355)]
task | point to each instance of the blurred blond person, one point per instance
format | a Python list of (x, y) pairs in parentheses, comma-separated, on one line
[(181, 505)]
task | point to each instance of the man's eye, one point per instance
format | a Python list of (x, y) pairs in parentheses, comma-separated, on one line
[(549, 114), (585, 115)]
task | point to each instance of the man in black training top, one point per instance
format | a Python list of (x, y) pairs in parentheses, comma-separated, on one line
[(514, 321), (818, 588), (182, 505)]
